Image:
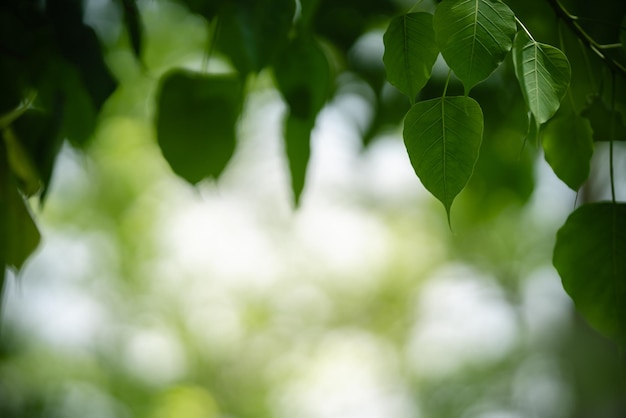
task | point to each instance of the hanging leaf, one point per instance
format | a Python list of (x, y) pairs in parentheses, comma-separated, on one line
[(19, 236), (303, 78), (133, 26), (590, 256), (196, 122), (410, 52), (601, 119), (252, 32), (474, 37), (443, 138), (543, 72), (568, 147)]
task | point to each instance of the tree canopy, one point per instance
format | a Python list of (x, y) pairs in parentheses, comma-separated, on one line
[(478, 88)]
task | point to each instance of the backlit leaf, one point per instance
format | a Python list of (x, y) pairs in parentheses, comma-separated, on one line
[(568, 147), (590, 256), (410, 52), (196, 122), (543, 72), (474, 37), (443, 138)]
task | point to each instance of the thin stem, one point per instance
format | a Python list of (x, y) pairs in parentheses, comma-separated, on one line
[(612, 139), (592, 44), (519, 22)]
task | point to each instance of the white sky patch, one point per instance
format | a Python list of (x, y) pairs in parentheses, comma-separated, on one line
[(351, 374), (462, 319)]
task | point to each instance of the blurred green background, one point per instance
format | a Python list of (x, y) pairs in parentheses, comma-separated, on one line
[(152, 298)]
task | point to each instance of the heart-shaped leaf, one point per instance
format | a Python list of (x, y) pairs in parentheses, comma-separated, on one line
[(443, 138), (568, 147), (474, 37), (196, 122), (590, 256), (543, 72), (410, 52)]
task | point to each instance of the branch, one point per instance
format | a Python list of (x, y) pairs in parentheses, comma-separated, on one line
[(571, 21)]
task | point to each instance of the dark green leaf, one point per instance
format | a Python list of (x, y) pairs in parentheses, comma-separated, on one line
[(196, 122), (207, 8), (133, 26), (298, 150), (603, 121), (410, 52), (443, 138), (252, 32), (590, 256), (303, 78), (543, 72), (474, 37), (80, 47), (568, 148), (19, 236)]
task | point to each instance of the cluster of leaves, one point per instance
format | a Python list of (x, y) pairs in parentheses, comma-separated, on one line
[(443, 135), (54, 83)]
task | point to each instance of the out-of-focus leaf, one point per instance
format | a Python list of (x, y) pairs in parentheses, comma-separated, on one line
[(252, 32), (568, 147), (343, 22), (80, 47), (19, 236), (132, 20), (298, 150), (544, 74), (443, 138), (474, 37), (303, 77), (410, 52), (38, 135), (196, 122), (590, 256), (207, 8), (603, 120)]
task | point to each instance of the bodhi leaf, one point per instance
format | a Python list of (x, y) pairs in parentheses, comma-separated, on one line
[(443, 138), (196, 122), (568, 147), (303, 78), (543, 72), (590, 256), (410, 52), (474, 37)]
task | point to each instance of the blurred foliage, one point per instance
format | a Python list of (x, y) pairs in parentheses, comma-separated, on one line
[(129, 85)]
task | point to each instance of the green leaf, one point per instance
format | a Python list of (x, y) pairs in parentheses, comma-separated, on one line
[(590, 256), (568, 147), (298, 150), (252, 32), (543, 72), (133, 26), (302, 74), (443, 138), (601, 119), (196, 122), (474, 37), (410, 52), (19, 236)]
